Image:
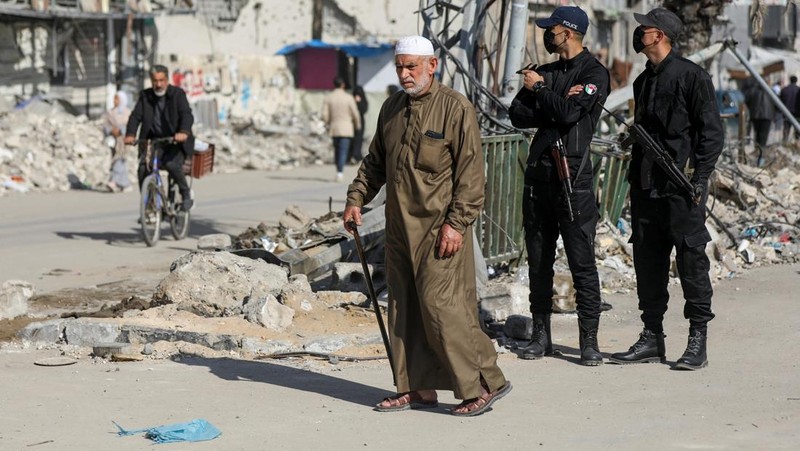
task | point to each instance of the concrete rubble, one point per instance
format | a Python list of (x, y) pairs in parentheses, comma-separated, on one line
[(265, 290), (14, 295), (45, 148)]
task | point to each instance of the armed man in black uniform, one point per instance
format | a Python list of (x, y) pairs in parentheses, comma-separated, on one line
[(563, 100), (675, 104)]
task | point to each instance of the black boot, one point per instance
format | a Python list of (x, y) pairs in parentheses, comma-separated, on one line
[(649, 348), (694, 357), (540, 344), (590, 352)]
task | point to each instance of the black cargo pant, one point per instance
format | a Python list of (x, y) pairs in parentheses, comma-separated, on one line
[(172, 160), (658, 225), (545, 216)]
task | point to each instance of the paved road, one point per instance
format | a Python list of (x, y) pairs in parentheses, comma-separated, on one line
[(81, 238)]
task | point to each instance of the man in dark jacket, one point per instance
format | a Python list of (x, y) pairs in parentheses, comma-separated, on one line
[(761, 111), (675, 104), (789, 98), (163, 111), (563, 100)]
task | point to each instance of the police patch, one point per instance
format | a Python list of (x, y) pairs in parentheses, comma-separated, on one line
[(590, 89)]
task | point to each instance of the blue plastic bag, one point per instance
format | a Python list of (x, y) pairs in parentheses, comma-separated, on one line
[(197, 430)]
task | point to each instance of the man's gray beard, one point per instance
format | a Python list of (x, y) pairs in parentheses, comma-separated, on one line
[(418, 87), (160, 93)]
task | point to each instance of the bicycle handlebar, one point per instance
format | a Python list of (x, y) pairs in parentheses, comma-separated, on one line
[(166, 139)]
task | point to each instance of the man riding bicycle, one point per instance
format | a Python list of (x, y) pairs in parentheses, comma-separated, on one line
[(163, 111)]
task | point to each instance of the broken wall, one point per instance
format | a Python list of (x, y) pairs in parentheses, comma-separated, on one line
[(263, 27), (239, 84)]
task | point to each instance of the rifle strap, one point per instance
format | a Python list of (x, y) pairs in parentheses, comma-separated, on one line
[(580, 168)]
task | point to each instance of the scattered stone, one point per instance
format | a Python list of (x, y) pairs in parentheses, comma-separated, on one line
[(14, 295), (498, 301), (213, 242), (268, 312), (351, 277), (339, 299), (266, 347), (326, 344), (147, 349), (294, 218)]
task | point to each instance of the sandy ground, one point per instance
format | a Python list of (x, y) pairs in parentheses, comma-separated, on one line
[(748, 398)]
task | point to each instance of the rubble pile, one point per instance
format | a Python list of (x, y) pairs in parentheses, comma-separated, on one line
[(45, 148), (295, 230), (224, 302)]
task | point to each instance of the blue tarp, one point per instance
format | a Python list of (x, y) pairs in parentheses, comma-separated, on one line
[(354, 50)]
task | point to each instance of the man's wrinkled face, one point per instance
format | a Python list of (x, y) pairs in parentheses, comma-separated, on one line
[(159, 82), (414, 72)]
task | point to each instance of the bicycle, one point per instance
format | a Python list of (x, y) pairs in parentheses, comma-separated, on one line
[(161, 200)]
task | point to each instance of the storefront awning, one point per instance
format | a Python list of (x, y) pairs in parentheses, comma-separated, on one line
[(356, 50)]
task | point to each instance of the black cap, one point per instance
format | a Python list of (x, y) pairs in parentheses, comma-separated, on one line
[(663, 19), (568, 16)]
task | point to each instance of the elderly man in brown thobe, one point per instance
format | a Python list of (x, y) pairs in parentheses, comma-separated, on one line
[(427, 151)]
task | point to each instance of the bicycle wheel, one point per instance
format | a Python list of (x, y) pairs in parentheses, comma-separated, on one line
[(179, 222), (150, 211)]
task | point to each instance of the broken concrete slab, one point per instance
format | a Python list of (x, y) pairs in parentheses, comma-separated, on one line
[(217, 283), (326, 344), (14, 295), (340, 299), (318, 261), (266, 347), (135, 334), (498, 301), (214, 241), (89, 332), (294, 218), (268, 312), (50, 331)]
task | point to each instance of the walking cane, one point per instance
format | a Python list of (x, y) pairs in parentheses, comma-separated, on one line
[(371, 289)]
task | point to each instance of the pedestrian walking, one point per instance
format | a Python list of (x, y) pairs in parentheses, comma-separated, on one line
[(340, 114), (427, 152)]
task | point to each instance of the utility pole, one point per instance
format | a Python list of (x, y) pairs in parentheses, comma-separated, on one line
[(468, 37), (316, 21), (517, 28)]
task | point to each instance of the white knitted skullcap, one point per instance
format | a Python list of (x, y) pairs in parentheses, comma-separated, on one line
[(414, 45)]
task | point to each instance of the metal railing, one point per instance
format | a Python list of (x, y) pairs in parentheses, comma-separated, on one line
[(500, 226), (499, 229), (610, 179)]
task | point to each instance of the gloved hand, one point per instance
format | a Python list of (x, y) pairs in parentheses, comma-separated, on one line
[(699, 188)]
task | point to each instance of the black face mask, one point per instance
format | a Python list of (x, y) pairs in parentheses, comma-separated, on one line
[(549, 41), (638, 35)]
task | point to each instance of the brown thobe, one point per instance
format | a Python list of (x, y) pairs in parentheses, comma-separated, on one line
[(428, 153)]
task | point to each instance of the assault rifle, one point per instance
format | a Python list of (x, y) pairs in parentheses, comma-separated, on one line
[(637, 133), (562, 168)]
